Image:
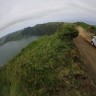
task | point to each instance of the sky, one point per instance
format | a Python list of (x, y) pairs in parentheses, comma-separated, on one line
[(18, 14)]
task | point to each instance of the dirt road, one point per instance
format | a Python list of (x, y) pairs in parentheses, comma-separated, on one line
[(87, 51)]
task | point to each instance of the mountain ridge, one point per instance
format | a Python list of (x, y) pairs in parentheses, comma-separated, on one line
[(38, 30), (50, 66)]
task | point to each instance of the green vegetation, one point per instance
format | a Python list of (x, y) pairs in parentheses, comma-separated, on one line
[(87, 27), (43, 29), (38, 30), (50, 66), (84, 25)]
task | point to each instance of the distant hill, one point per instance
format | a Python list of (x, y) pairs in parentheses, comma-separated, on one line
[(42, 29), (38, 30), (50, 66)]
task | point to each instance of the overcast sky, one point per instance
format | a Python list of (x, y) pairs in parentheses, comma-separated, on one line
[(17, 14)]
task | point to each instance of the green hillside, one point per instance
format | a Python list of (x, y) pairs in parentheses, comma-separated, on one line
[(87, 27), (38, 30), (50, 66), (41, 30), (84, 25)]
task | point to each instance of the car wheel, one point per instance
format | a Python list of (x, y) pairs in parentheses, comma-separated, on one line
[(92, 43)]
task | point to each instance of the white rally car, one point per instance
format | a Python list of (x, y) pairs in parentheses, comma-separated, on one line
[(93, 41)]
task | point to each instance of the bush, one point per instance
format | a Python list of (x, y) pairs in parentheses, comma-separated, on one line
[(68, 32)]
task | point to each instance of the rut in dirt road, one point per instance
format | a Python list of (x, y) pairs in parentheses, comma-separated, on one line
[(87, 51)]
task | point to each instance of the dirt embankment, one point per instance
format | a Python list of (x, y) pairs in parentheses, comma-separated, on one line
[(87, 51), (84, 34)]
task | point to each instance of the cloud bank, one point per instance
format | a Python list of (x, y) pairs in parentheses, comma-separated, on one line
[(22, 13)]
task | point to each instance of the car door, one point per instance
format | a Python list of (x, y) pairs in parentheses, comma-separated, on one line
[(95, 41)]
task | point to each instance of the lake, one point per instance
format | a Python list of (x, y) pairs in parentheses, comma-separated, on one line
[(11, 49)]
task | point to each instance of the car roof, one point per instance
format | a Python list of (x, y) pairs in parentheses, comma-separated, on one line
[(94, 36)]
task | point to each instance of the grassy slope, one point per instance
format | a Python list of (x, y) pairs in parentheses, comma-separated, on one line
[(84, 25), (48, 67), (87, 27)]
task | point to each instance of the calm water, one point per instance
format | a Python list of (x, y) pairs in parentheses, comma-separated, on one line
[(11, 49)]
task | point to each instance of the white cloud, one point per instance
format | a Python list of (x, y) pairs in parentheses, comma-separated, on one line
[(14, 11)]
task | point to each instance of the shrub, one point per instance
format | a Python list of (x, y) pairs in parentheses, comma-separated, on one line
[(68, 32)]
